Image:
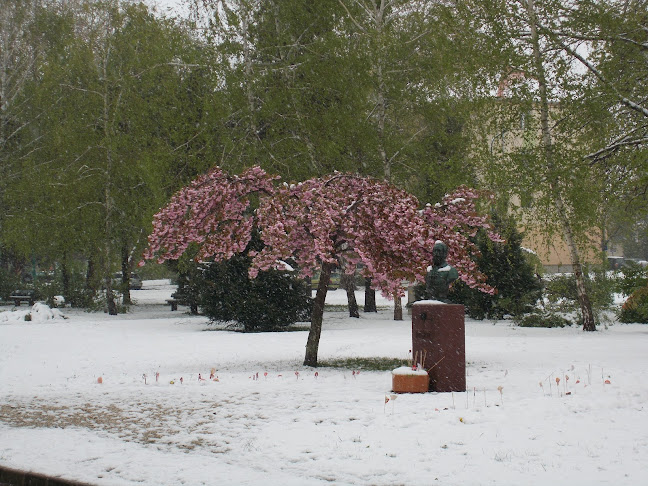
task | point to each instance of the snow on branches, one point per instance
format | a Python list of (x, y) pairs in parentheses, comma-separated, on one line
[(343, 219)]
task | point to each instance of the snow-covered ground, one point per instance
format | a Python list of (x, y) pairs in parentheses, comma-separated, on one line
[(291, 427)]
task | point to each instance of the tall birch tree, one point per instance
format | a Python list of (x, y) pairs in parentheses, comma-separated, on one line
[(537, 145)]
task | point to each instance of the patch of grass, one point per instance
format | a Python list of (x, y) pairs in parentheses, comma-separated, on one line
[(345, 307), (336, 307), (365, 364), (543, 320), (236, 327)]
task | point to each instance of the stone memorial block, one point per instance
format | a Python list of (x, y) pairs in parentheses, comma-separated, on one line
[(439, 344)]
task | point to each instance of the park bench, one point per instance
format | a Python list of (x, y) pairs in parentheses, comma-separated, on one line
[(178, 298), (19, 296)]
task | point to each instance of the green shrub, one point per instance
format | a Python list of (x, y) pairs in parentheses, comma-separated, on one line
[(631, 277), (273, 300), (509, 269), (562, 296), (544, 319), (635, 309)]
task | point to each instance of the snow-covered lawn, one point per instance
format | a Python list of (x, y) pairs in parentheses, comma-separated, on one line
[(291, 427)]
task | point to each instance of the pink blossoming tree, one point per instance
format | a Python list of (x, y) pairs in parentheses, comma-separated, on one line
[(336, 221)]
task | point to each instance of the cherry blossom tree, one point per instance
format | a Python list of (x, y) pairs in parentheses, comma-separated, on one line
[(336, 221)]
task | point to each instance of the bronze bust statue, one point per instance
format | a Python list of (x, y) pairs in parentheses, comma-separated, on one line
[(441, 275)]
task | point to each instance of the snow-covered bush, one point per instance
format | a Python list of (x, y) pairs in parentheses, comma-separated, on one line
[(562, 297), (37, 314), (631, 277), (41, 313)]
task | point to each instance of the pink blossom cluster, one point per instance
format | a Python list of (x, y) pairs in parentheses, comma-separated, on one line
[(343, 219), (212, 212)]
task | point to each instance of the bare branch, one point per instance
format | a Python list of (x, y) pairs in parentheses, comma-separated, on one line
[(83, 90), (406, 144), (364, 7), (605, 38), (423, 34), (625, 101), (606, 151), (352, 18)]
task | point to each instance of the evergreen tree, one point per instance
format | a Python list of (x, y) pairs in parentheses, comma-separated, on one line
[(271, 301), (509, 270)]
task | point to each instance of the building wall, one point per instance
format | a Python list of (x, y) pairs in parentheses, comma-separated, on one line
[(554, 254)]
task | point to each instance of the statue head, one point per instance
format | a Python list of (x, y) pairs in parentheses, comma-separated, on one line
[(439, 253)]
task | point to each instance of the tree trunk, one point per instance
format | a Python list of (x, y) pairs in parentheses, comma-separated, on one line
[(91, 276), (107, 275), (547, 144), (108, 190), (287, 74), (317, 315), (65, 277), (398, 308), (381, 88), (110, 296), (125, 268), (247, 60), (589, 323), (370, 297), (348, 284)]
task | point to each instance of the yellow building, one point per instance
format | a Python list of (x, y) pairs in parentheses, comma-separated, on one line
[(553, 252)]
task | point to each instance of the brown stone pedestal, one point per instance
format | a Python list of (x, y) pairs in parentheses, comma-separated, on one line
[(439, 337)]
